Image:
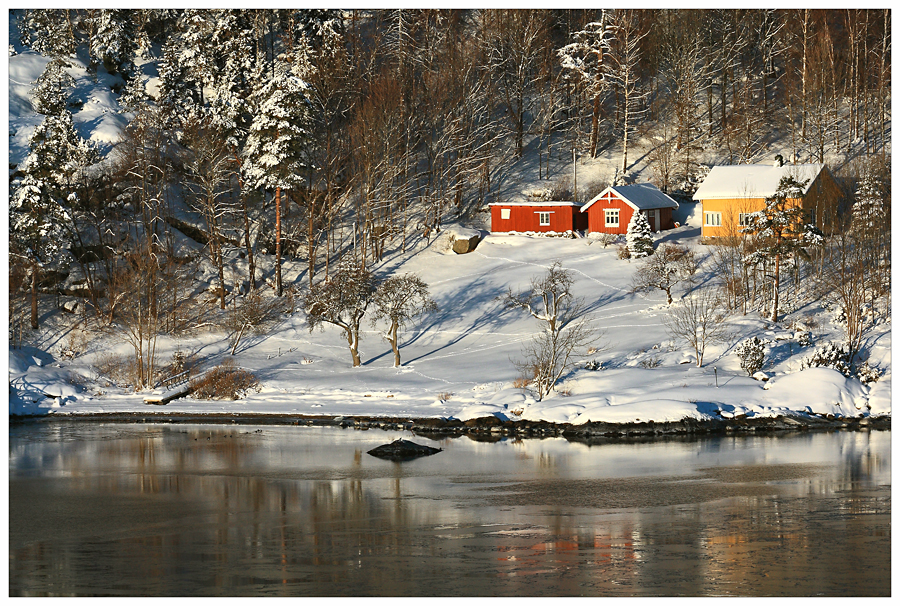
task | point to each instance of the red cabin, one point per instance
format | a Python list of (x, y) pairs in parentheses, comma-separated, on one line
[(611, 210), (558, 217)]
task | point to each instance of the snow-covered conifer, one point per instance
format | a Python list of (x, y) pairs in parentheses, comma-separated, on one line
[(275, 154), (37, 230), (177, 97), (57, 151), (134, 96), (780, 230), (868, 210), (752, 354), (113, 43), (583, 61), (639, 237), (49, 31), (52, 88)]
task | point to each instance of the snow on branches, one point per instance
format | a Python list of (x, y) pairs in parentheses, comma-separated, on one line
[(639, 238)]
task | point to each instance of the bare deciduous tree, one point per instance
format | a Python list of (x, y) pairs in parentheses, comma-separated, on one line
[(398, 300), (664, 269), (699, 320), (565, 331), (342, 299)]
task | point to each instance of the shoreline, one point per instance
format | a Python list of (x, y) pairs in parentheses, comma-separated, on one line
[(493, 428)]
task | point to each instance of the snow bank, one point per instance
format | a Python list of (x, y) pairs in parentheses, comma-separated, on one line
[(819, 391)]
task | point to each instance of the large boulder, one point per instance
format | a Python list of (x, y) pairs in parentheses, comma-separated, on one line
[(402, 450), (466, 241)]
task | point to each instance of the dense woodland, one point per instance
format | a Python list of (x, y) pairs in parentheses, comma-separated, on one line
[(326, 137)]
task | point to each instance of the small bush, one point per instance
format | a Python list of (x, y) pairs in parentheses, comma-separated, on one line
[(117, 370), (829, 355), (180, 368), (604, 239), (224, 382), (593, 365), (445, 395), (521, 383), (650, 363), (622, 252), (752, 353), (867, 374), (804, 338)]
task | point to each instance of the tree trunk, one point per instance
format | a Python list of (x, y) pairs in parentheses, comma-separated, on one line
[(34, 298), (353, 342), (595, 125), (278, 289), (251, 263), (775, 288), (395, 345)]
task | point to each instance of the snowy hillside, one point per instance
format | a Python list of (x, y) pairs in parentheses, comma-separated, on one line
[(457, 361)]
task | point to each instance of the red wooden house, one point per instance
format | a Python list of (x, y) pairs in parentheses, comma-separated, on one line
[(557, 217), (611, 210)]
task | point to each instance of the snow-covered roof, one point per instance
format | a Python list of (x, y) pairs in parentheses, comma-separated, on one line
[(535, 203), (640, 196), (752, 180)]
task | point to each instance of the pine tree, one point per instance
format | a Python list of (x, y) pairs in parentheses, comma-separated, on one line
[(583, 60), (275, 154), (177, 96), (49, 32), (868, 210), (52, 89), (113, 43), (780, 231), (639, 237), (135, 96), (36, 230), (57, 151)]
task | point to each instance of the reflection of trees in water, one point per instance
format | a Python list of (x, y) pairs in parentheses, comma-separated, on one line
[(346, 530)]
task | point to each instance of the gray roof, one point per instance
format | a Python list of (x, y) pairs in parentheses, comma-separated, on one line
[(642, 196)]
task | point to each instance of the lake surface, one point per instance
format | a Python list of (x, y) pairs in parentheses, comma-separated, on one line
[(235, 510)]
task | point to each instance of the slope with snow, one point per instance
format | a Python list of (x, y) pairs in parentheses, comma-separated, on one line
[(457, 362)]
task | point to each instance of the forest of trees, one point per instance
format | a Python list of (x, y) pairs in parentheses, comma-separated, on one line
[(324, 136)]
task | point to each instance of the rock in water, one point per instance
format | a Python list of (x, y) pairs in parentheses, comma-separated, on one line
[(402, 450)]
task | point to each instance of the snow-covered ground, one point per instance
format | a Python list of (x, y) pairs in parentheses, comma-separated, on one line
[(457, 361)]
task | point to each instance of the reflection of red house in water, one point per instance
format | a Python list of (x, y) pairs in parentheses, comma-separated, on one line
[(611, 210), (558, 217)]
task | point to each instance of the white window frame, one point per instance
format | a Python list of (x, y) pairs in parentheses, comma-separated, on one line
[(716, 218), (542, 215), (504, 213), (743, 219), (609, 214)]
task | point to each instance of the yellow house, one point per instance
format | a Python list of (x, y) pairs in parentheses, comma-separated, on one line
[(729, 193)]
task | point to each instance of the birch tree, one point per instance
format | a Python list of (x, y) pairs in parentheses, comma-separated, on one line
[(623, 75)]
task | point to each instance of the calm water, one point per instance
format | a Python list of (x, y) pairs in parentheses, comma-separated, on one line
[(117, 509)]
